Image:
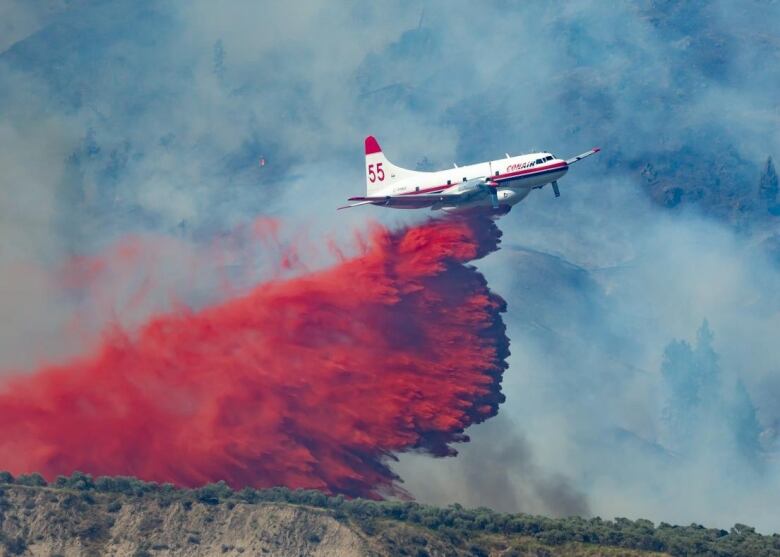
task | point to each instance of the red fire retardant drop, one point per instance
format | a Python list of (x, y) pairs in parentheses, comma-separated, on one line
[(311, 382)]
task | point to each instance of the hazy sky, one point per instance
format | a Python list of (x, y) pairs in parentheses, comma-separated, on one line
[(142, 123)]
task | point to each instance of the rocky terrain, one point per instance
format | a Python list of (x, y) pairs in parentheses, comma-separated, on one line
[(45, 521), (126, 517)]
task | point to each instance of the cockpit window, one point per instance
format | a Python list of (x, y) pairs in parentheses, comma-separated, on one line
[(549, 158), (538, 161)]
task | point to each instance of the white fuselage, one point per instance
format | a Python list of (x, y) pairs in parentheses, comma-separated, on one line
[(496, 183), (514, 177)]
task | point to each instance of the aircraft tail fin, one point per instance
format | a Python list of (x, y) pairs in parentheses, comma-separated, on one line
[(380, 172)]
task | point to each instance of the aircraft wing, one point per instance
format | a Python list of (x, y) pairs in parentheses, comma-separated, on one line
[(583, 155), (411, 201)]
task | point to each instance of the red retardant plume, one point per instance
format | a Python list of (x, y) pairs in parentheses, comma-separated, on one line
[(311, 382)]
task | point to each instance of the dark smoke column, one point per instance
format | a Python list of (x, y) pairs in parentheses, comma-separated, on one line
[(311, 382)]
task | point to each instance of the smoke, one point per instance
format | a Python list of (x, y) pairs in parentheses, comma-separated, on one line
[(313, 381), (497, 469), (136, 119)]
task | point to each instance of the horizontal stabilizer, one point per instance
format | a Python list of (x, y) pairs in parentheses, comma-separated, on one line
[(583, 155), (355, 205)]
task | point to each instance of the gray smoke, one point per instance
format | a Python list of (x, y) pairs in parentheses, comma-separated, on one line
[(496, 469), (148, 120)]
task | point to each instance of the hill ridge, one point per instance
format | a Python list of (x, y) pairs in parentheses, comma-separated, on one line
[(122, 516)]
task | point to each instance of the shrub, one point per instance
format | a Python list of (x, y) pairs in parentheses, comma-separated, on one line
[(80, 481), (16, 546), (167, 487), (249, 495), (34, 480), (212, 493), (94, 531), (122, 484), (314, 538)]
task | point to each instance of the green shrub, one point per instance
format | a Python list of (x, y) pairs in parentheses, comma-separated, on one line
[(211, 494), (249, 495), (80, 481), (33, 480)]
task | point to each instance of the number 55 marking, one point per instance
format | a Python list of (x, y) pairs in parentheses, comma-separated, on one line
[(378, 175)]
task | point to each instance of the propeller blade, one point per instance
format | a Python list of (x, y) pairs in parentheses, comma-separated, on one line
[(555, 189), (494, 198)]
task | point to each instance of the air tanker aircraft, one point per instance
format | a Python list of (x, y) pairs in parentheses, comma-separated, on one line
[(499, 183)]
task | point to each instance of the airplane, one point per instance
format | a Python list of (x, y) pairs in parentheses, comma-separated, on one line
[(499, 184)]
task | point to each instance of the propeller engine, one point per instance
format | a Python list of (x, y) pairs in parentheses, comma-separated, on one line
[(492, 191)]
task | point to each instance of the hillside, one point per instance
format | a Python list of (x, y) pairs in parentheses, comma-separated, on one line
[(127, 517)]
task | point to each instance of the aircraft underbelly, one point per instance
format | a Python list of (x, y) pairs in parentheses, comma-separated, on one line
[(534, 181)]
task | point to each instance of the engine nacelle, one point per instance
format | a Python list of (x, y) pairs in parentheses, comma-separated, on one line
[(469, 186), (511, 196)]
